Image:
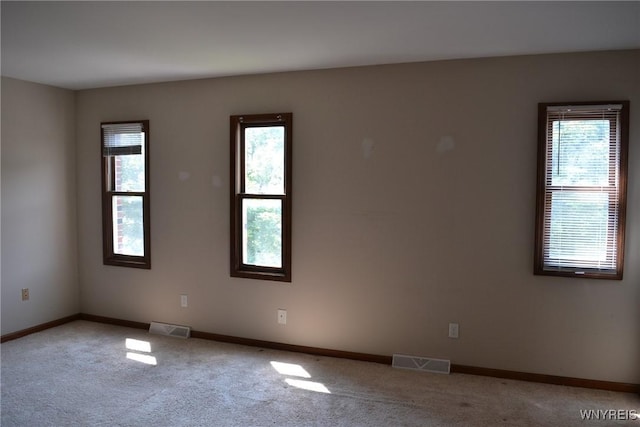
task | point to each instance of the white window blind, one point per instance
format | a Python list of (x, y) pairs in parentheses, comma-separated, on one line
[(122, 139)]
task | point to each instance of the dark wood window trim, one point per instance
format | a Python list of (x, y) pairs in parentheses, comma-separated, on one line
[(617, 187), (239, 268), (108, 163)]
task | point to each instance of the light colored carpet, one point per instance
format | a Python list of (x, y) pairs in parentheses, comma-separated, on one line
[(79, 374)]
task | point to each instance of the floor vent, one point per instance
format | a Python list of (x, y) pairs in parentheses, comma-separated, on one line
[(426, 364), (170, 330)]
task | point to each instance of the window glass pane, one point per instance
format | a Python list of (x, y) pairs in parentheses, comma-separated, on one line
[(262, 236), (129, 172), (128, 229), (579, 228), (264, 160), (580, 153)]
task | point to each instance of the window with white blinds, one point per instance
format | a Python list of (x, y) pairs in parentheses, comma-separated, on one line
[(581, 194), (125, 194)]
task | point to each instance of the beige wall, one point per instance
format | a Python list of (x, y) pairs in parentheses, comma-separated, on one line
[(39, 244), (435, 226)]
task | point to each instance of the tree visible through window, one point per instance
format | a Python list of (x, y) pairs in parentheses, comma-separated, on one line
[(125, 199), (261, 196), (581, 200)]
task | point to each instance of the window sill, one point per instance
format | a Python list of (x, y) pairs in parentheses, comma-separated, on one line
[(579, 274), (128, 262), (261, 275)]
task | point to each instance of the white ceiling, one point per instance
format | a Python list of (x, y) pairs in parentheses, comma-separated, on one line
[(79, 45)]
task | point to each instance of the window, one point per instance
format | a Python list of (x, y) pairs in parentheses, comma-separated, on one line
[(125, 194), (581, 197), (261, 196)]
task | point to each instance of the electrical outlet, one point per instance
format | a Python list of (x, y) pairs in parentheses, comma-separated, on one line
[(453, 330), (184, 301), (282, 317), (25, 294)]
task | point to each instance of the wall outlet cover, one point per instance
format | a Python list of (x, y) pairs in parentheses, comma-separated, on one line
[(454, 330), (282, 317)]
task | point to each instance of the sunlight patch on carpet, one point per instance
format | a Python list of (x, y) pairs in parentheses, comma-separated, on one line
[(308, 385), (144, 358), (294, 370), (290, 369), (138, 347)]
